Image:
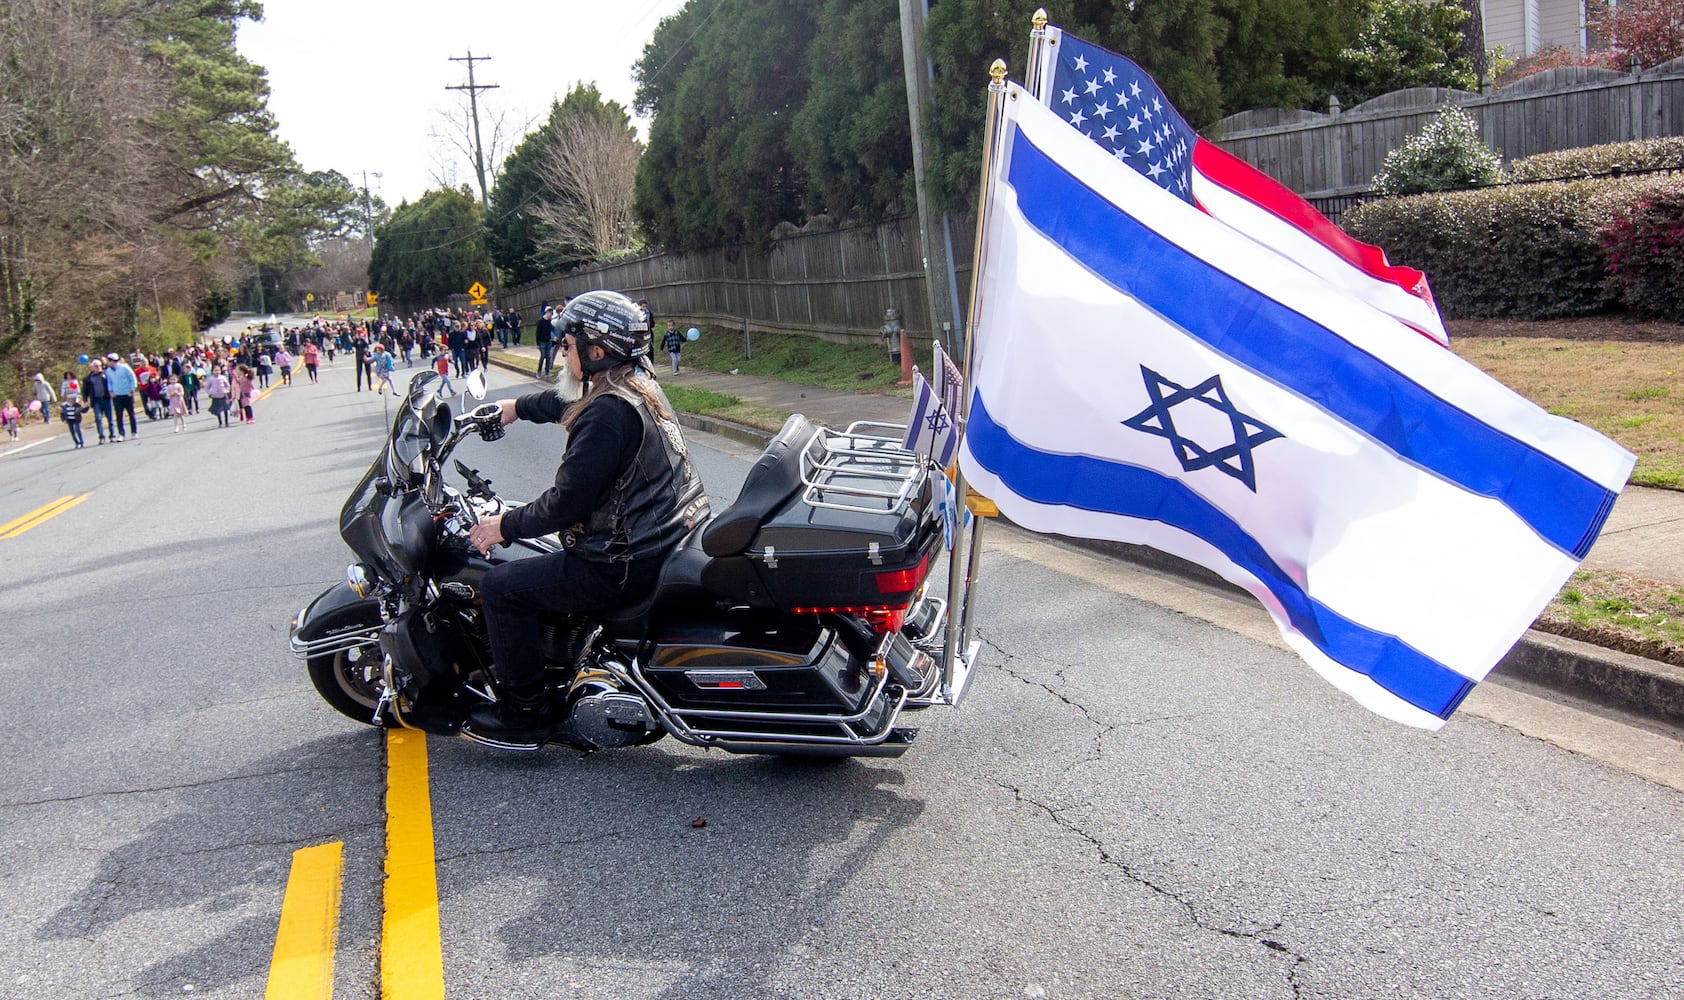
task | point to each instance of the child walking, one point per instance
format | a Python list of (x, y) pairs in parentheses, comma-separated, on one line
[(10, 416), (70, 411), (441, 364), (244, 391), (175, 403), (283, 361)]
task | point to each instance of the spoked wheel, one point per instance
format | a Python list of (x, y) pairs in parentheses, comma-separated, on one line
[(349, 680)]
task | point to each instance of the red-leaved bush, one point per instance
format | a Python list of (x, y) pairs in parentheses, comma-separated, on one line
[(1555, 57), (1643, 245), (1649, 32)]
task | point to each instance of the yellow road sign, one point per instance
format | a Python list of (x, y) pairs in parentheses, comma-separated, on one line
[(373, 299), (309, 296), (476, 291)]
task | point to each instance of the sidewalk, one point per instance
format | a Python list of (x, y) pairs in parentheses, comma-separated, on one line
[(1644, 536)]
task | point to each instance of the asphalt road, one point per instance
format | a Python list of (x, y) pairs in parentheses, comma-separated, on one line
[(1133, 801)]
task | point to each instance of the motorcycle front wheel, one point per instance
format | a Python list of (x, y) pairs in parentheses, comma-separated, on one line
[(351, 686)]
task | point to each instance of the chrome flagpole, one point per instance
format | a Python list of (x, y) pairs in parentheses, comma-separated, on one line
[(958, 650), (1037, 53)]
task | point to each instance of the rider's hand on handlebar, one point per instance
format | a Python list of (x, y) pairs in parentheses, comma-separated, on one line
[(508, 407), (487, 532)]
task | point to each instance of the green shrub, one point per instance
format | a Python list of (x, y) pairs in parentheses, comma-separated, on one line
[(176, 330), (1447, 155), (1587, 161), (1644, 245), (1531, 251)]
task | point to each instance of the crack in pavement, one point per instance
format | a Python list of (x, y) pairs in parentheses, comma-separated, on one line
[(186, 786), (1105, 857)]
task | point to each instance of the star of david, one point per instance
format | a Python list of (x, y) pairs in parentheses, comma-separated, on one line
[(936, 421), (1158, 420)]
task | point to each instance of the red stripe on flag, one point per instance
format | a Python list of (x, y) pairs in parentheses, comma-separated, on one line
[(1224, 168)]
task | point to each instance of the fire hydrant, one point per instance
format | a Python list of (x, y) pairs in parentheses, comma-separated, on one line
[(898, 344)]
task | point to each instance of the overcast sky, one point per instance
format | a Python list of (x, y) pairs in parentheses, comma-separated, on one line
[(359, 84)]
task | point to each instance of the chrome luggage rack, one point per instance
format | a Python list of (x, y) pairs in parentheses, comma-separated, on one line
[(865, 468)]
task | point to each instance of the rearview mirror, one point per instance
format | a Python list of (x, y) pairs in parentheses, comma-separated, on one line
[(476, 383)]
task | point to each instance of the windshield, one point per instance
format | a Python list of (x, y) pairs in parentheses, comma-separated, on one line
[(421, 416)]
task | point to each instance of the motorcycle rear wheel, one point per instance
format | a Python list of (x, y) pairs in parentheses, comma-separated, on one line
[(339, 680)]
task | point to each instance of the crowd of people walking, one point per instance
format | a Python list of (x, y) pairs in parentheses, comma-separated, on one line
[(226, 377)]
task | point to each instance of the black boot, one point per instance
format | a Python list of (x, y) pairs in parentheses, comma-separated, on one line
[(523, 718)]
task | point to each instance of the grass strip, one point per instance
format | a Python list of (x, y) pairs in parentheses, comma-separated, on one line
[(1620, 611), (1626, 390)]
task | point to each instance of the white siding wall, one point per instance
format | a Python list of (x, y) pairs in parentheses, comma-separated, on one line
[(1562, 23), (1505, 25), (1522, 27)]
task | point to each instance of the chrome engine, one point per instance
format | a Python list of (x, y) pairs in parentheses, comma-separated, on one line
[(604, 714)]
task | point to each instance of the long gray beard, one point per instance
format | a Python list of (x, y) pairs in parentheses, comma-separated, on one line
[(569, 387)]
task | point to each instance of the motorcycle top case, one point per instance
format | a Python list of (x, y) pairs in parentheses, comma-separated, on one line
[(858, 534)]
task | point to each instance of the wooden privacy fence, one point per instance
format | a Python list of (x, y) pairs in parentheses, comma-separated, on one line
[(836, 283), (1329, 155)]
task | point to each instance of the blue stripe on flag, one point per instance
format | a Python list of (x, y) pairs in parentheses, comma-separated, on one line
[(1562, 506), (1092, 484)]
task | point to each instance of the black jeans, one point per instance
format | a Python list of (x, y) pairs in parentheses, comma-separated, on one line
[(517, 594), (122, 403)]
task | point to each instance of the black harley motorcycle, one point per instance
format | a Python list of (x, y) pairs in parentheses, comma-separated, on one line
[(795, 621)]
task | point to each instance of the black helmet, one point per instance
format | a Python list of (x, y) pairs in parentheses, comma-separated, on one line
[(608, 320)]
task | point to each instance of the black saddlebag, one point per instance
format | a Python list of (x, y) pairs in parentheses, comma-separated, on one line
[(857, 533), (800, 666)]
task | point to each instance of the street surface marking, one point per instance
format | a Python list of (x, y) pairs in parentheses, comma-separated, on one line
[(16, 527), (26, 447), (302, 968), (411, 956)]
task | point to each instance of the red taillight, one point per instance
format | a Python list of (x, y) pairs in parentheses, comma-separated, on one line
[(881, 617), (903, 581)]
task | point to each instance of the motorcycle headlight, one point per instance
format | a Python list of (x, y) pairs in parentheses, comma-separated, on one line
[(360, 579)]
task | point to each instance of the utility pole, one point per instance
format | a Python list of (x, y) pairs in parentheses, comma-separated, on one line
[(473, 90), (934, 235), (368, 222), (368, 206)]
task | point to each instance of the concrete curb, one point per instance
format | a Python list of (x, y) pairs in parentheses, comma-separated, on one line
[(1646, 688)]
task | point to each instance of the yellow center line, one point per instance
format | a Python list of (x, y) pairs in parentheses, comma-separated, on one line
[(411, 956), (16, 527), (302, 967)]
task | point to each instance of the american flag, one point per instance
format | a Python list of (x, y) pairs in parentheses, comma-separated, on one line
[(950, 384), (1114, 103)]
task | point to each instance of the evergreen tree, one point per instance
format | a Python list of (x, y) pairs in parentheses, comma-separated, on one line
[(429, 250), (1407, 43), (723, 81)]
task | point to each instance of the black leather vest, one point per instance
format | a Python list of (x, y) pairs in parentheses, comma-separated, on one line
[(654, 504)]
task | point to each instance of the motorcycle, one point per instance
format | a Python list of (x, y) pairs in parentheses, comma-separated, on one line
[(797, 620)]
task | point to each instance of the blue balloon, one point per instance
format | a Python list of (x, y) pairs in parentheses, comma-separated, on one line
[(234, 344), (82, 359), (693, 334)]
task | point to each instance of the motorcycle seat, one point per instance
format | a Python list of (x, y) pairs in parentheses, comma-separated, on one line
[(680, 582), (775, 477)]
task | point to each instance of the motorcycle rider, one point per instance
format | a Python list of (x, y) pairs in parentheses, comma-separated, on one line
[(624, 496)]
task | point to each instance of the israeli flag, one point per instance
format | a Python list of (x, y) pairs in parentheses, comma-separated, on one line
[(1144, 373)]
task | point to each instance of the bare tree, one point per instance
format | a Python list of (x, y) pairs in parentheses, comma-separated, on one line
[(343, 268), (452, 143), (79, 199), (588, 171)]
